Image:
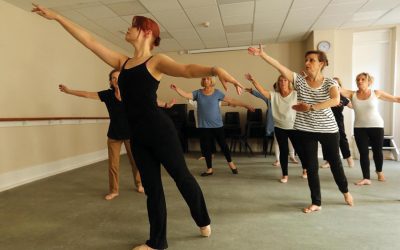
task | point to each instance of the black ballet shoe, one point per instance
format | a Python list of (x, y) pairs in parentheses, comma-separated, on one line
[(234, 171), (206, 174)]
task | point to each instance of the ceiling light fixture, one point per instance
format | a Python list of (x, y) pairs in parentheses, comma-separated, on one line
[(198, 51), (205, 24)]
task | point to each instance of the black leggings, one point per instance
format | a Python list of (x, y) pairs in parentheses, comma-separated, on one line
[(282, 136), (308, 142), (343, 142), (162, 146), (364, 138), (207, 138)]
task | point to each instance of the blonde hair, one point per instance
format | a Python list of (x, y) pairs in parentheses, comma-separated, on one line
[(205, 78), (276, 84), (370, 78)]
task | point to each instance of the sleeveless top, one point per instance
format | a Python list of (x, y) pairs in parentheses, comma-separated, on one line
[(366, 112), (138, 89)]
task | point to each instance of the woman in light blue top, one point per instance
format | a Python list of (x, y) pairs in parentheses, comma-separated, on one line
[(209, 119)]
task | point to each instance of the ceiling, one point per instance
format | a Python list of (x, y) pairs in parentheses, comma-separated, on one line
[(232, 23)]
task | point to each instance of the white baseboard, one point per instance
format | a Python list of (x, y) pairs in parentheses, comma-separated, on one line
[(19, 177)]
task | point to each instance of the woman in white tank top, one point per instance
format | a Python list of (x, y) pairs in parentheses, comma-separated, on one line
[(368, 124)]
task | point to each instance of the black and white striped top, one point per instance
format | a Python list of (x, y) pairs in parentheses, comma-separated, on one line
[(319, 121)]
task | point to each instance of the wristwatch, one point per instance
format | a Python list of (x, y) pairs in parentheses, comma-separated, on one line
[(312, 108)]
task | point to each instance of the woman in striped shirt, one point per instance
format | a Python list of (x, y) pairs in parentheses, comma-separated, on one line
[(314, 120)]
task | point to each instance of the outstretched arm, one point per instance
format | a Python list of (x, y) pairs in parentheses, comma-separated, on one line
[(287, 73), (112, 58), (167, 105), (346, 93), (168, 66), (386, 96), (182, 93), (258, 86), (80, 93), (234, 102)]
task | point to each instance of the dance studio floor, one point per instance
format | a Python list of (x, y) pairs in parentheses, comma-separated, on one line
[(251, 210)]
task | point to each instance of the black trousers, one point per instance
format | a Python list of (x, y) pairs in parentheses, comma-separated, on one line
[(159, 144), (308, 141), (343, 142), (208, 135), (282, 136), (364, 138)]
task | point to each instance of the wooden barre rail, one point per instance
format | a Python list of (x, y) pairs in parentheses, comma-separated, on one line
[(19, 119)]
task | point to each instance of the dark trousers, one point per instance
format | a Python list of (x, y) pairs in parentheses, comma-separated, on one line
[(282, 136), (208, 135), (203, 147), (308, 142), (343, 142), (364, 138), (166, 150)]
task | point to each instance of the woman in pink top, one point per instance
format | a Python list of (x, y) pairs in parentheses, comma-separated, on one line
[(368, 124)]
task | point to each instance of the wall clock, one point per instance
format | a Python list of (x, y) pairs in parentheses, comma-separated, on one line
[(324, 46)]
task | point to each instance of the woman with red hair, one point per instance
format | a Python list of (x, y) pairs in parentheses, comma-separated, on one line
[(155, 138)]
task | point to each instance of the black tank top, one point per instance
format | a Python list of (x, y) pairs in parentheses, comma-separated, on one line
[(139, 96)]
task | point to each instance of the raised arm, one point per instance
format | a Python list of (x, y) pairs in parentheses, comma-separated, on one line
[(80, 93), (234, 102), (258, 86), (287, 73), (386, 96), (166, 105), (182, 93), (112, 58), (168, 66)]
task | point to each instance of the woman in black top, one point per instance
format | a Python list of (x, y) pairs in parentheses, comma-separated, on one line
[(118, 131), (156, 141), (343, 142)]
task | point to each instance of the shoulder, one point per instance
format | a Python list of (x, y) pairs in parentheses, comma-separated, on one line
[(161, 58), (219, 92)]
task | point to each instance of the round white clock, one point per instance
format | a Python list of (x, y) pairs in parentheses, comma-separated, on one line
[(324, 46)]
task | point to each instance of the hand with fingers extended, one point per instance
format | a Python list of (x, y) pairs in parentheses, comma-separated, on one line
[(248, 77), (44, 12), (255, 51), (225, 78)]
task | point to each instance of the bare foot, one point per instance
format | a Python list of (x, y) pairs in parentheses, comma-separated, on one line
[(348, 198), (381, 176), (143, 247), (201, 158), (140, 189), (110, 196), (284, 179), (293, 159), (363, 182), (325, 165), (312, 208), (205, 231), (276, 164), (304, 175), (350, 162)]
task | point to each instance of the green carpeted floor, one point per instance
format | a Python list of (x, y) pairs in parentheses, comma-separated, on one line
[(249, 211)]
